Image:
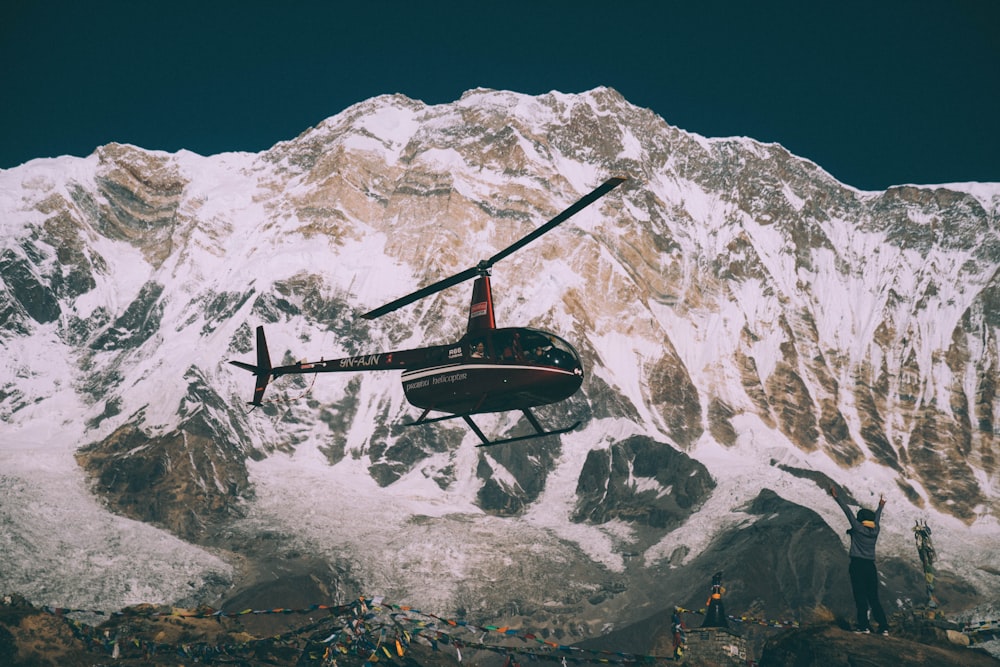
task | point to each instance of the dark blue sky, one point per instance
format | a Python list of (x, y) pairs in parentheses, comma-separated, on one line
[(877, 93)]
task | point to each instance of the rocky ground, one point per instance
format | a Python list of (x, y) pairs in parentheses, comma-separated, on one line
[(368, 631), (913, 645)]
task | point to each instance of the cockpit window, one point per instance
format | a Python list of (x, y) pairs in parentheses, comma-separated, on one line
[(546, 348), (519, 346)]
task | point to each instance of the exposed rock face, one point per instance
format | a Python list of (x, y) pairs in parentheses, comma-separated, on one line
[(513, 477), (138, 195), (173, 481), (643, 482)]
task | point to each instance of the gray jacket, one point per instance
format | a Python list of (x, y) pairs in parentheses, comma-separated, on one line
[(863, 538)]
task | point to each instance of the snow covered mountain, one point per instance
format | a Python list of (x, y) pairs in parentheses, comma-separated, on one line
[(752, 331)]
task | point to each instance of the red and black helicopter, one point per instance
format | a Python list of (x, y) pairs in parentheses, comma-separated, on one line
[(489, 369)]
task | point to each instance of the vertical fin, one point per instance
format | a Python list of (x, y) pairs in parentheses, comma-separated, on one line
[(263, 372), (263, 358)]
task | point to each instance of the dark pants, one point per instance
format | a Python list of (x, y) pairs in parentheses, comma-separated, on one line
[(864, 584)]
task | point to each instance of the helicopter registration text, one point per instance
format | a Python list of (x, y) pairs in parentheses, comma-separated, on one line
[(361, 362)]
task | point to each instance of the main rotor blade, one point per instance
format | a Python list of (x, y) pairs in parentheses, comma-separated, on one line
[(421, 293), (484, 265), (581, 204)]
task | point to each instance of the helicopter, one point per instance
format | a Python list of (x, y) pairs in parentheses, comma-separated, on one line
[(489, 369)]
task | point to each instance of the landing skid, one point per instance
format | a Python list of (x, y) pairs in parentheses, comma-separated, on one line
[(539, 431)]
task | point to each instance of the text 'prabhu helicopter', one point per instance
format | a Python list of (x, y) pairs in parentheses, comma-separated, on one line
[(488, 369)]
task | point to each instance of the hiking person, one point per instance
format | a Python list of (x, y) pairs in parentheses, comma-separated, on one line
[(864, 532), (680, 634)]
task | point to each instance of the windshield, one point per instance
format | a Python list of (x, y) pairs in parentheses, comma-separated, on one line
[(523, 346), (545, 348)]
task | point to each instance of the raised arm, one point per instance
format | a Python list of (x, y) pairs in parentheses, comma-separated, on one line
[(878, 512), (843, 505)]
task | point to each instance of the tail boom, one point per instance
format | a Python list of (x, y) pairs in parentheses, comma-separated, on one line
[(384, 361)]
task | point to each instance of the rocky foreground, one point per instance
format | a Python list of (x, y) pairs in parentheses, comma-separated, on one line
[(363, 632)]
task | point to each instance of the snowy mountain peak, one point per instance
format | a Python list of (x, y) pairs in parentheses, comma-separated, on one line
[(746, 323)]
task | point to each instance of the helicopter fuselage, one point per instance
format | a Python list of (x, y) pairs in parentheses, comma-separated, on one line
[(488, 371), (502, 369)]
